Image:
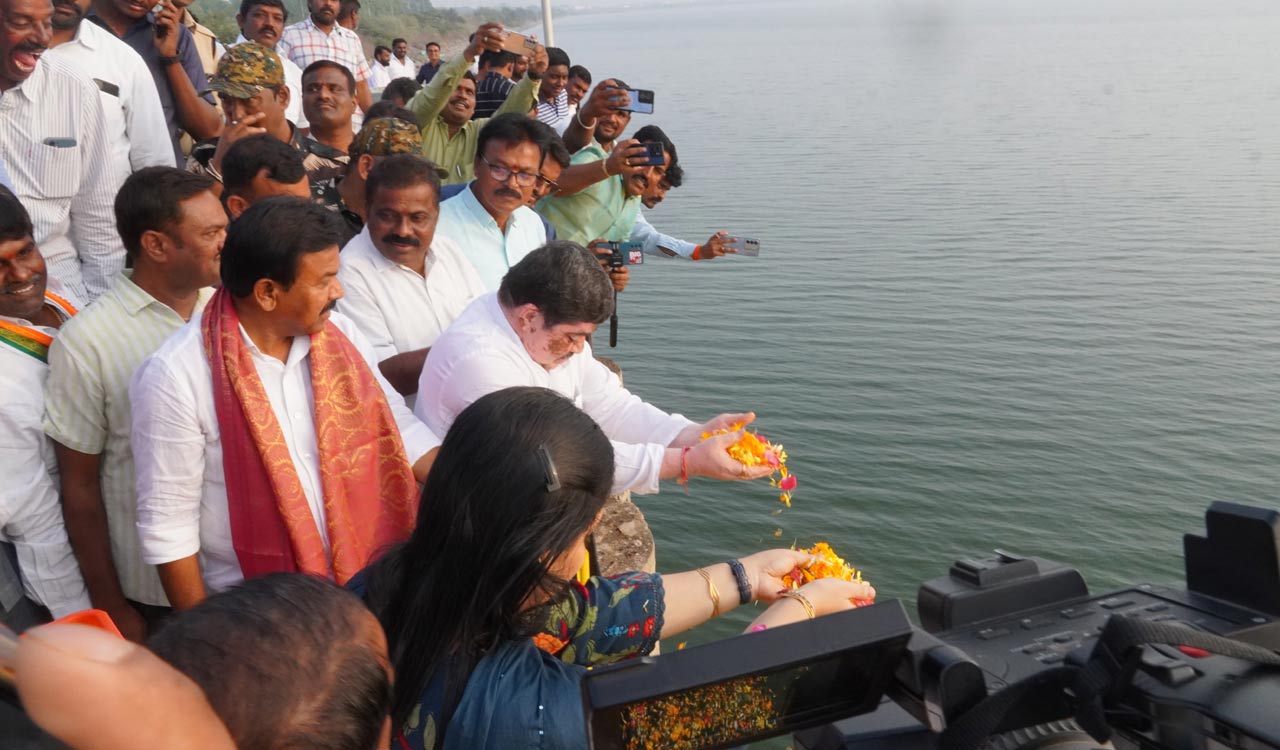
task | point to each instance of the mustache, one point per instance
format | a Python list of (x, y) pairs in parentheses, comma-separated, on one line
[(31, 47), (395, 239), (508, 193), (329, 307), (35, 278)]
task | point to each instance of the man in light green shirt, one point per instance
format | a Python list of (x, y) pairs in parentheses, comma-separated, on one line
[(444, 106), (173, 227)]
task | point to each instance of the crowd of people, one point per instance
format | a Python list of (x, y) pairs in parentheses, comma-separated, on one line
[(263, 337)]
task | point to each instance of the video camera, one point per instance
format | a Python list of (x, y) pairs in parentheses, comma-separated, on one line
[(1012, 653)]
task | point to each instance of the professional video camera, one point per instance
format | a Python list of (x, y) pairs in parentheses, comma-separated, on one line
[(1013, 652)]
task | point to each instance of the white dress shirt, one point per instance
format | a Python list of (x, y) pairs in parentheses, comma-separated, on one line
[(379, 76), (465, 221), (30, 504), (406, 69), (136, 130), (652, 240), (177, 447), (52, 139), (293, 80), (397, 309), (480, 353)]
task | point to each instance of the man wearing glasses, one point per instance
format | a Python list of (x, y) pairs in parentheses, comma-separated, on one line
[(490, 219)]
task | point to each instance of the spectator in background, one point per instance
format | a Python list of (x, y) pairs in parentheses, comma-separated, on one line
[(444, 107), (53, 144), (388, 108), (173, 227), (134, 121), (329, 101), (494, 82), (653, 241), (349, 15), (319, 37), (400, 91), (287, 661), (401, 65), (262, 21), (30, 316), (258, 167), (379, 138), (379, 73), (428, 69), (579, 85), (520, 68), (172, 56), (207, 43), (553, 96)]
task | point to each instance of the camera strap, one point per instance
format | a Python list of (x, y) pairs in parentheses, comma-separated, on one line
[(1111, 665)]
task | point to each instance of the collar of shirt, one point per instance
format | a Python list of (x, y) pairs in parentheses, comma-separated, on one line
[(363, 242), (32, 89), (299, 348), (86, 37), (480, 214), (134, 299)]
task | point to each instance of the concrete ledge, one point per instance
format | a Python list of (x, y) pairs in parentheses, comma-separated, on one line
[(622, 539)]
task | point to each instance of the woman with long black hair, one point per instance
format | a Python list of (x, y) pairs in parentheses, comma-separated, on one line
[(488, 636)]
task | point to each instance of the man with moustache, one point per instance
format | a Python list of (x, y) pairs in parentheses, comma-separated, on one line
[(401, 65), (31, 527), (379, 138), (134, 120), (490, 220), (328, 98), (379, 73), (403, 284), (169, 50), (533, 332), (264, 437), (320, 37), (173, 227), (444, 106), (53, 143), (259, 167), (262, 21)]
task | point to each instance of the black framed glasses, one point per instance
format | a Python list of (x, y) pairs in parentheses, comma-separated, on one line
[(502, 174)]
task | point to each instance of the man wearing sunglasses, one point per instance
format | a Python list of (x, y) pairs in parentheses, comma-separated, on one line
[(490, 219)]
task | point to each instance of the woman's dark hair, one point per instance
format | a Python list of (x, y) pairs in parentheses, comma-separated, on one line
[(151, 199), (564, 281), (15, 222), (286, 661), (270, 237), (488, 526)]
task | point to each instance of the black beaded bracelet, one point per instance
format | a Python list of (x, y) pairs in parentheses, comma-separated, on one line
[(740, 575)]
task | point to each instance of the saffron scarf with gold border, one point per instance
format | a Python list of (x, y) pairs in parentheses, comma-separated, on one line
[(29, 340), (370, 495)]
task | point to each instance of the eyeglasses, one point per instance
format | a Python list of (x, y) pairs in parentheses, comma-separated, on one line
[(502, 174), (546, 184)]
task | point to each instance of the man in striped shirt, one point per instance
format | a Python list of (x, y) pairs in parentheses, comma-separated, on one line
[(53, 141), (553, 94), (494, 82), (319, 37), (173, 228)]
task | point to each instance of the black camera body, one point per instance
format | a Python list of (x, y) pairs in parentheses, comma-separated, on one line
[(621, 254), (994, 622)]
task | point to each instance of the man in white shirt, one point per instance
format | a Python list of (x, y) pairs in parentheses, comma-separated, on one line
[(402, 284), (490, 220), (30, 512), (263, 21), (264, 438), (379, 73), (173, 227), (136, 130), (533, 332), (400, 65), (52, 141)]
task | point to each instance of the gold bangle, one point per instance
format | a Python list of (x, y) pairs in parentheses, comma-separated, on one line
[(804, 602), (712, 592)]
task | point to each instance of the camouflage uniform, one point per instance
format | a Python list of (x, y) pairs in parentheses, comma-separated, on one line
[(381, 137)]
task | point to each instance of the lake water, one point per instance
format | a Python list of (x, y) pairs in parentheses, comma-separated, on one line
[(1020, 278)]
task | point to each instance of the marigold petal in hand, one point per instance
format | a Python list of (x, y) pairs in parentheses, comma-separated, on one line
[(752, 449)]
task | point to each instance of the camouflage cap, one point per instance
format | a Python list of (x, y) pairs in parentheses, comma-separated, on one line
[(386, 136), (247, 69)]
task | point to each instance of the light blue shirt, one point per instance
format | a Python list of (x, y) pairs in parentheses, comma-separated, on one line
[(465, 221), (644, 233)]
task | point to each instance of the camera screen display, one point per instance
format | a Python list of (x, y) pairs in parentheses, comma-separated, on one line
[(689, 700)]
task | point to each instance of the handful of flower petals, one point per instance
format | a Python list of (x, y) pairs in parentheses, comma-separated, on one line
[(828, 565), (754, 450)]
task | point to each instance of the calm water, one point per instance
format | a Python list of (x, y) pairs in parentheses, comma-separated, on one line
[(1020, 281)]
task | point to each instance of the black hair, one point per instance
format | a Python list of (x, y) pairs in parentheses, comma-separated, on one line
[(402, 87), (497, 59), (564, 281), (285, 661), (674, 175), (320, 64), (557, 56), (397, 40), (248, 5), (468, 75), (269, 238), (558, 152), (580, 72), (380, 48), (437, 44), (654, 134), (347, 8), (513, 128), (15, 222), (489, 489), (387, 108), (401, 171), (151, 200), (250, 155)]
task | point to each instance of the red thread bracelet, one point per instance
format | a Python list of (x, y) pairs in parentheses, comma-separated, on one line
[(697, 253), (683, 481)]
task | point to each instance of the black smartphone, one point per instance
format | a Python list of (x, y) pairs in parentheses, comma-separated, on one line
[(653, 155), (641, 101)]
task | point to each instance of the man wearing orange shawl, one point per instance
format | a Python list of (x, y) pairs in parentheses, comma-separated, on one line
[(265, 438)]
